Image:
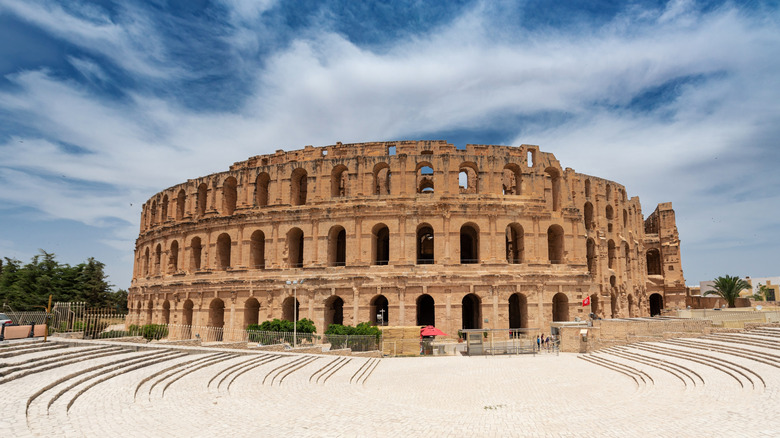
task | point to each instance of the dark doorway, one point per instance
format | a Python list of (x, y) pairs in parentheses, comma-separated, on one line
[(290, 309), (656, 304), (379, 310), (518, 311), (334, 311), (426, 312), (470, 312)]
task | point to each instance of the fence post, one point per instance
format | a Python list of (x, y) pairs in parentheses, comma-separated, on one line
[(32, 330), (2, 333)]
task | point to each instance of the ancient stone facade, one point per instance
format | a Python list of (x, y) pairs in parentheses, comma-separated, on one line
[(418, 232)]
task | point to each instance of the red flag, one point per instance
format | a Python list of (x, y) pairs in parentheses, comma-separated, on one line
[(586, 302)]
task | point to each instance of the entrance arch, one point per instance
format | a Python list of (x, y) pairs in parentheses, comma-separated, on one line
[(379, 306), (613, 304), (251, 312), (469, 244), (471, 312), (290, 309), (560, 310), (656, 304), (334, 311), (518, 311), (217, 318), (426, 311), (187, 312), (166, 312)]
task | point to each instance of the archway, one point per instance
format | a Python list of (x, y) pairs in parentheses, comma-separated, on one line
[(290, 309), (229, 195), (380, 243), (630, 306), (187, 312), (594, 304), (515, 246), (656, 304), (223, 251), (425, 255), (251, 312), (257, 250), (518, 311), (295, 248), (261, 189), (469, 244), (334, 311), (555, 244), (613, 303), (560, 309), (653, 262), (298, 186), (426, 311), (379, 310), (149, 310), (471, 312), (337, 246), (166, 312), (216, 318)]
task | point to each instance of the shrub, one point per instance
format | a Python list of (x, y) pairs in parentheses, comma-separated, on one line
[(305, 325), (150, 331)]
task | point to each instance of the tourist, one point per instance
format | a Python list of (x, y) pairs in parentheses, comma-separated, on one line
[(538, 343)]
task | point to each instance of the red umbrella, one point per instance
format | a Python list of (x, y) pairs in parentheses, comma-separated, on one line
[(431, 331)]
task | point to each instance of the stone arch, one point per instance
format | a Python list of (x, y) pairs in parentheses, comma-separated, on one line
[(291, 309), (295, 248), (469, 243), (158, 259), (468, 178), (202, 199), (229, 195), (186, 312), (613, 304), (591, 256), (555, 244), (560, 307), (656, 304), (381, 179), (223, 251), (380, 245), (609, 192), (251, 312), (518, 311), (298, 186), (217, 317), (196, 250), (515, 243), (425, 244), (181, 201), (379, 306), (611, 254), (339, 178), (337, 246), (173, 257), (627, 254), (334, 311), (164, 209), (146, 262), (554, 177), (425, 177), (261, 189), (471, 312), (257, 250), (511, 179), (166, 312), (594, 304), (588, 215), (149, 311), (426, 310), (653, 262), (153, 215), (625, 218), (587, 188)]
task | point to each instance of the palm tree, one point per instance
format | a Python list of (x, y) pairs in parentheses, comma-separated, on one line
[(728, 288)]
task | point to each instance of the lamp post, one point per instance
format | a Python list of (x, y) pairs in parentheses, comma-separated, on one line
[(295, 284)]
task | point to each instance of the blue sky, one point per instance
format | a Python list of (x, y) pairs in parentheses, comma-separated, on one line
[(103, 104)]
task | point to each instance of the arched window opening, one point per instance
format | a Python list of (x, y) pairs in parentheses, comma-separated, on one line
[(295, 248), (216, 318), (166, 312), (555, 244), (251, 312), (609, 192), (471, 312), (531, 157), (382, 179), (257, 250), (181, 200), (291, 309), (511, 179), (202, 191), (554, 183), (426, 310), (425, 254), (627, 254), (146, 262), (560, 307), (298, 187), (195, 250), (338, 181), (587, 188), (588, 216), (518, 311), (186, 316), (469, 244), (149, 312), (653, 262), (153, 215), (380, 245), (625, 218), (334, 311), (594, 304), (611, 254), (261, 189), (337, 246), (656, 304), (158, 259), (223, 251), (613, 302), (515, 245), (591, 255), (612, 281), (379, 310), (173, 258), (164, 209), (425, 178), (229, 196), (468, 178)]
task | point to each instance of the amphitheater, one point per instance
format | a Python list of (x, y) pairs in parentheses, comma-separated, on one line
[(719, 385), (402, 233)]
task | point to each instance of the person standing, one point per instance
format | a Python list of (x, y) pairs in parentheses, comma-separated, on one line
[(538, 343)]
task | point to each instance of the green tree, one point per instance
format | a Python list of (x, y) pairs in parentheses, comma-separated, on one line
[(728, 288)]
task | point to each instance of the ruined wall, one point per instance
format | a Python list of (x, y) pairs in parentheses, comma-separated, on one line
[(419, 231)]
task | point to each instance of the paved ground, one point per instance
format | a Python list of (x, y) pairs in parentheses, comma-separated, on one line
[(207, 394)]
